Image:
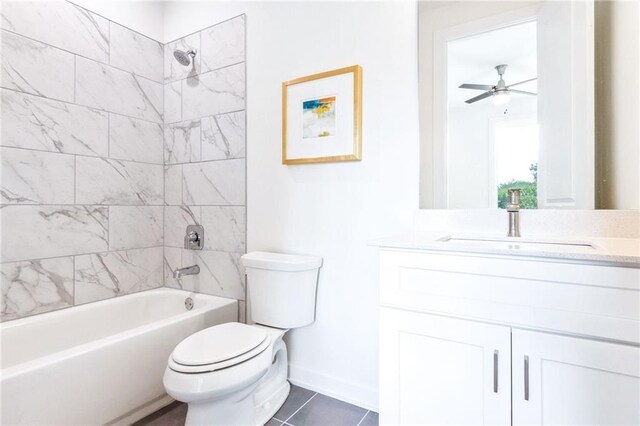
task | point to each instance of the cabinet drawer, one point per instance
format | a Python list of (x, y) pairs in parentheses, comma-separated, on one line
[(590, 300)]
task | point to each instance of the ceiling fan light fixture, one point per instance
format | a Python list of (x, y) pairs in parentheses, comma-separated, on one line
[(501, 98)]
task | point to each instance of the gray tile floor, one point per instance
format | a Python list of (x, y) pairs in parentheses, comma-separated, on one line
[(302, 408)]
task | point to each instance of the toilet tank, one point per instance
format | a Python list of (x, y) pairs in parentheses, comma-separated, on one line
[(281, 288)]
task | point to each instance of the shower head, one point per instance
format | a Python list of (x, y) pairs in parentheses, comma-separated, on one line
[(184, 58)]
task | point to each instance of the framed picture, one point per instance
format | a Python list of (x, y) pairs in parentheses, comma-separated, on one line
[(322, 117)]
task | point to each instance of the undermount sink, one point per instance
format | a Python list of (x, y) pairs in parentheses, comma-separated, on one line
[(519, 243)]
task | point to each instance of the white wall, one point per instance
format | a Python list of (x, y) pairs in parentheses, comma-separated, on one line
[(145, 17), (328, 209)]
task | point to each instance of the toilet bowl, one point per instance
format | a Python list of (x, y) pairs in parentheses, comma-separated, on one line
[(236, 374)]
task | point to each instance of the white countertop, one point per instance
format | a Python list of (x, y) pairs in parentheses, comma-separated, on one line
[(617, 251)]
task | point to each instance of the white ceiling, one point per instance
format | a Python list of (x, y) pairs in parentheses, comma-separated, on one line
[(472, 60)]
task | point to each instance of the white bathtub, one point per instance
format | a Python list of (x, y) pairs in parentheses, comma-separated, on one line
[(98, 363)]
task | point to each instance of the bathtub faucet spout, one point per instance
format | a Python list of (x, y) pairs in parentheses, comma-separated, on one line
[(189, 270)]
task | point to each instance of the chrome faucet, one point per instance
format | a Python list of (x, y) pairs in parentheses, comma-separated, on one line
[(513, 209), (189, 270)]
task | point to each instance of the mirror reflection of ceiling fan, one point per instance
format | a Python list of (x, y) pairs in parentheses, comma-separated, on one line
[(500, 93)]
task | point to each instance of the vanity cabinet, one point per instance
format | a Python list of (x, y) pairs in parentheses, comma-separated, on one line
[(438, 370), (478, 339), (560, 380)]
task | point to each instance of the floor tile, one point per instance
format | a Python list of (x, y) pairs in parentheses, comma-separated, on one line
[(273, 422), (297, 397), (322, 410), (173, 414), (371, 419)]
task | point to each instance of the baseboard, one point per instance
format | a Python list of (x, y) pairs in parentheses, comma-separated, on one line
[(334, 387), (143, 411)]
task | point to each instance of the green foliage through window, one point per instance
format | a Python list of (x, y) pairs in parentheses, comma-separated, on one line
[(528, 195)]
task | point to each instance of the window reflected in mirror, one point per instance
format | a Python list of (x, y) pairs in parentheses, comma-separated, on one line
[(492, 132)]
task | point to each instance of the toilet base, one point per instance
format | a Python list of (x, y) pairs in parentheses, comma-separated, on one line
[(267, 409), (274, 387)]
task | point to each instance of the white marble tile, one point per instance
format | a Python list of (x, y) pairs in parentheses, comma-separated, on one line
[(173, 102), (36, 286), (182, 142), (215, 92), (105, 181), (173, 261), (134, 52), (214, 183), (173, 70), (38, 123), (176, 219), (221, 274), (33, 232), (223, 136), (105, 275), (33, 67), (35, 177), (132, 227), (135, 140), (50, 22), (107, 88), (173, 185), (224, 227), (223, 44)]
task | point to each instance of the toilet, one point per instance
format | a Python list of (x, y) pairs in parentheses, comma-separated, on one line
[(234, 373)]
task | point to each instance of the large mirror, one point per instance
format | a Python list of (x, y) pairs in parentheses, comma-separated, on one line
[(543, 96)]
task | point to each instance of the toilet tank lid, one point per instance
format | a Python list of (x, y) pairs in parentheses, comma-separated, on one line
[(280, 261)]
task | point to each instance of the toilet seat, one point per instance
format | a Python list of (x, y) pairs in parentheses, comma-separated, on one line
[(218, 347)]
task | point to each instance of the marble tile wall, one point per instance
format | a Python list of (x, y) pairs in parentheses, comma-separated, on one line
[(204, 153), (82, 155), (109, 149)]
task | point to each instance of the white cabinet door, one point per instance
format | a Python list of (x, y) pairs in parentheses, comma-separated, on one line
[(436, 370), (559, 380)]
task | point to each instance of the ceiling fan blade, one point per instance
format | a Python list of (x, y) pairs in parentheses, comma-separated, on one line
[(479, 97), (522, 82), (522, 92), (476, 86)]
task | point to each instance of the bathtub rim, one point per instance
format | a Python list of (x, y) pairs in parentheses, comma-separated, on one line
[(49, 359)]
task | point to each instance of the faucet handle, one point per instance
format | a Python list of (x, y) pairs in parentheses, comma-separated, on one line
[(194, 238), (513, 199)]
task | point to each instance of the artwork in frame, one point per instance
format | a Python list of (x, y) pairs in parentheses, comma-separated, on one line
[(322, 117)]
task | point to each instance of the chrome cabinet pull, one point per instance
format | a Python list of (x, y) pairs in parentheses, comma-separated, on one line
[(526, 378), (495, 371)]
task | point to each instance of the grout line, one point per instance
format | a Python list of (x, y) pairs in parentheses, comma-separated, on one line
[(73, 296), (365, 415), (84, 57), (204, 29), (75, 179), (104, 17), (75, 78), (296, 412), (91, 108), (202, 161), (200, 74), (84, 254), (96, 156), (108, 135), (110, 40), (203, 116)]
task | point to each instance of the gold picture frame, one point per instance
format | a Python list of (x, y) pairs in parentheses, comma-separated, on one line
[(356, 155)]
